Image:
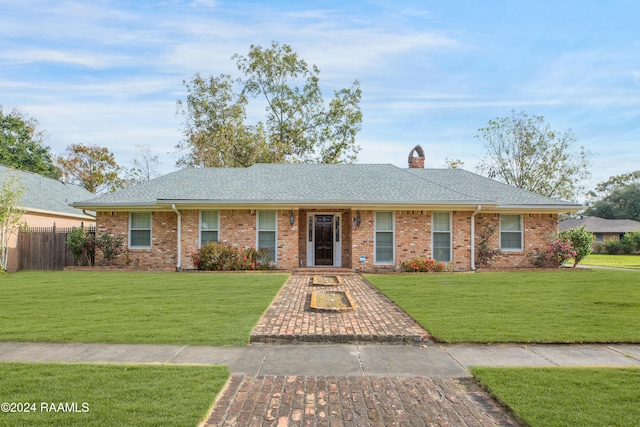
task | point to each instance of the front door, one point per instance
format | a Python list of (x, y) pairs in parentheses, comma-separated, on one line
[(324, 239)]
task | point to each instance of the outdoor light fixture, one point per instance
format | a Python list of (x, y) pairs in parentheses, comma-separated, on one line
[(292, 218)]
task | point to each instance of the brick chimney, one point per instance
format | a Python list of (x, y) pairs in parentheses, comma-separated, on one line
[(416, 161)]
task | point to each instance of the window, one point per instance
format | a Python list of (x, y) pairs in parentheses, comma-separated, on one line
[(511, 232), (384, 238), (441, 225), (140, 230), (267, 233), (599, 237), (209, 227)]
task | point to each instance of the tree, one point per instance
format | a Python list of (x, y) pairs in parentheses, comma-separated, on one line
[(298, 127), (622, 202), (91, 167), (605, 188), (525, 152), (581, 239), (21, 145), (144, 166), (10, 215)]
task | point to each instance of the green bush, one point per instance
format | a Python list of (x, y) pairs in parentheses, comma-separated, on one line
[(423, 265), (581, 240), (557, 252), (631, 242), (220, 257), (110, 246), (82, 246)]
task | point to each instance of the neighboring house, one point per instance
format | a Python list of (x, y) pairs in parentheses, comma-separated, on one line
[(328, 215), (46, 203), (603, 229)]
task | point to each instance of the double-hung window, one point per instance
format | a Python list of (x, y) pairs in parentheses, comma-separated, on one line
[(209, 227), (441, 225), (140, 230), (384, 238), (511, 232), (267, 234)]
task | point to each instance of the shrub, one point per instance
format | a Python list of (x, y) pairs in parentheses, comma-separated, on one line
[(82, 246), (612, 247), (110, 246), (484, 254), (221, 257), (422, 265), (557, 252), (581, 240), (631, 242)]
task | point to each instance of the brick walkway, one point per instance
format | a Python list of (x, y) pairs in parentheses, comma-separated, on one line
[(348, 401), (376, 318), (355, 402)]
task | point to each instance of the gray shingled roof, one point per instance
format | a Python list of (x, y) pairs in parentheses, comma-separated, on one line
[(359, 184), (601, 225), (485, 188), (46, 194)]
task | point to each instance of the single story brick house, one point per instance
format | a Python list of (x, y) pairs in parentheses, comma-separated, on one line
[(603, 229), (328, 215)]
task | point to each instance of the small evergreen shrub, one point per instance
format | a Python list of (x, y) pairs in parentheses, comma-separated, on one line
[(218, 256), (423, 265), (612, 247), (82, 245)]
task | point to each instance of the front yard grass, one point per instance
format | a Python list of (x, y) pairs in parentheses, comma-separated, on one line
[(620, 261), (134, 307), (563, 306), (108, 395), (567, 396)]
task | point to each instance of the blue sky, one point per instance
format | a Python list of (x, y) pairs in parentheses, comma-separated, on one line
[(432, 72)]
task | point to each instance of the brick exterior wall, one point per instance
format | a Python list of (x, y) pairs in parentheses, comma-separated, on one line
[(238, 227), (537, 229)]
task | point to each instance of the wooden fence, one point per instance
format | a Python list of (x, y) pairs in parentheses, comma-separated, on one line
[(45, 248)]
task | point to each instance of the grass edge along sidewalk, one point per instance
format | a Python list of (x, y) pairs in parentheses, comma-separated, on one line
[(134, 307), (554, 397), (559, 306), (97, 395)]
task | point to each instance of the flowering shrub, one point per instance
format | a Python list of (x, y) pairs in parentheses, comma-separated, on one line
[(581, 239), (110, 246), (220, 257), (422, 265), (557, 252)]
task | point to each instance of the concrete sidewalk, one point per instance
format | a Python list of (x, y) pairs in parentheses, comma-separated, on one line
[(431, 360)]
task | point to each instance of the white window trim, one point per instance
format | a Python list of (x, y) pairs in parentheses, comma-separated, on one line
[(150, 230), (393, 234), (521, 248), (200, 230), (433, 231), (275, 249)]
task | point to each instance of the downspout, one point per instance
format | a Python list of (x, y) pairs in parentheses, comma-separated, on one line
[(179, 263), (473, 237)]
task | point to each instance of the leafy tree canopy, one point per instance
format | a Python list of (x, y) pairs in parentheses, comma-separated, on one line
[(298, 125), (622, 202), (21, 145), (525, 152), (91, 167)]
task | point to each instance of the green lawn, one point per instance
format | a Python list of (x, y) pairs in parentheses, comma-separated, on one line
[(126, 307), (552, 397), (605, 260), (564, 306), (108, 395)]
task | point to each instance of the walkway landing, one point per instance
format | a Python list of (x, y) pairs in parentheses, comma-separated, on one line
[(375, 320)]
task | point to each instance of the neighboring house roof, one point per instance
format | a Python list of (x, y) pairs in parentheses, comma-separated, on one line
[(594, 224), (45, 195), (321, 184)]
